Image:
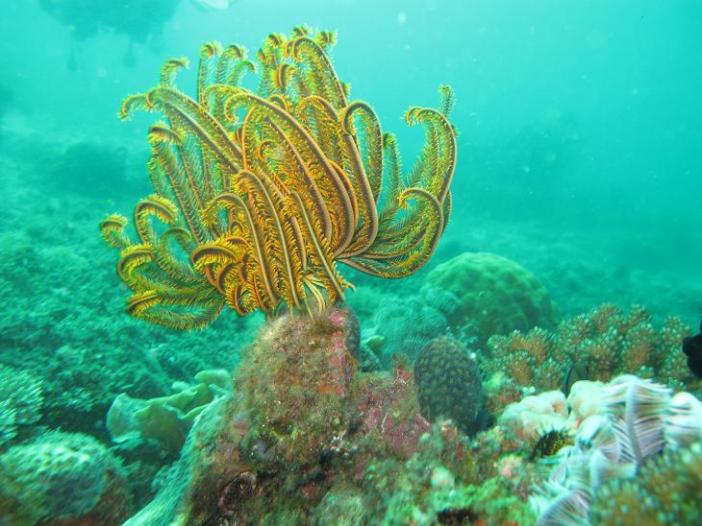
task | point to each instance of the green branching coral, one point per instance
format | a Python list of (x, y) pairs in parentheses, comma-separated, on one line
[(259, 194)]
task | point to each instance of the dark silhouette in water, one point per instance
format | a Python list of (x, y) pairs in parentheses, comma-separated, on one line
[(136, 19), (90, 169), (692, 347)]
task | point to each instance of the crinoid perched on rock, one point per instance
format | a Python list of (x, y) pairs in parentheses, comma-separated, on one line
[(260, 194)]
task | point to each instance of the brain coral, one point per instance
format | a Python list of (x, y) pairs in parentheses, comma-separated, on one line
[(59, 476), (448, 384), (495, 295)]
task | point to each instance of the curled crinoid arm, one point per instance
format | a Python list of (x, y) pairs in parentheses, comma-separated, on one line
[(410, 251), (170, 69), (260, 194), (112, 231), (435, 167)]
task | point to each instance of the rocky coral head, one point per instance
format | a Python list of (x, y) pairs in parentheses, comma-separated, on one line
[(294, 383)]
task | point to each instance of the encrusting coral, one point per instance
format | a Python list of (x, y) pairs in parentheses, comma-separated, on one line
[(596, 346), (263, 192)]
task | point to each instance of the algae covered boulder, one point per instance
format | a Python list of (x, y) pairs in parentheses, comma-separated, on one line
[(495, 295)]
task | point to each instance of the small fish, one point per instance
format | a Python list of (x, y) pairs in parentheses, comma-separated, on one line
[(692, 347), (575, 373)]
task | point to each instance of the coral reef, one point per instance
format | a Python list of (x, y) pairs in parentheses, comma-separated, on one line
[(442, 484), (307, 438), (403, 326), (265, 191), (61, 477), (74, 170), (387, 414), (86, 357), (449, 385), (495, 295), (303, 422), (636, 423), (603, 343), (294, 384), (434, 487)]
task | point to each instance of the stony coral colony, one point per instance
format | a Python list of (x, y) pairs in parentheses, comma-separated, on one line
[(258, 194)]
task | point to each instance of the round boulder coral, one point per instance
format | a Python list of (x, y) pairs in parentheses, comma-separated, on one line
[(448, 384), (61, 476), (495, 295)]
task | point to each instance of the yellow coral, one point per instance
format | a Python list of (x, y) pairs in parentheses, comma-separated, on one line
[(260, 194)]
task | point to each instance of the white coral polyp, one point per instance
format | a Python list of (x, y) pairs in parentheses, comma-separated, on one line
[(536, 414)]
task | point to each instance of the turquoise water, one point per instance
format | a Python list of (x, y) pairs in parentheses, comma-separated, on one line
[(579, 127)]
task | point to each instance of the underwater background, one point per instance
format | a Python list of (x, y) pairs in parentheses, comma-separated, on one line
[(577, 184)]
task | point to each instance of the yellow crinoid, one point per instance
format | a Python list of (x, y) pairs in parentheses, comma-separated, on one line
[(259, 194)]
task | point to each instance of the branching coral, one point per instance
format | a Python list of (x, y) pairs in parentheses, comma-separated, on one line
[(595, 346), (260, 194), (666, 491)]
